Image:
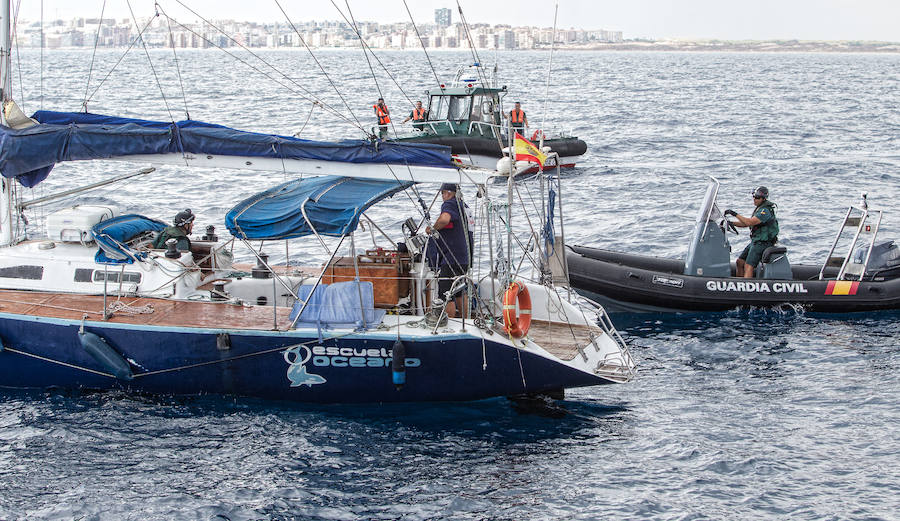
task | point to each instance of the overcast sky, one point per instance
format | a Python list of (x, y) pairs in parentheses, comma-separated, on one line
[(725, 19)]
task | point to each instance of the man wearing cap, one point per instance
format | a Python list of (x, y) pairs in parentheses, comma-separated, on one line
[(180, 231), (453, 244), (763, 231)]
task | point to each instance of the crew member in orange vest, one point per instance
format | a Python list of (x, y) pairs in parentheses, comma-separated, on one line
[(418, 116), (384, 117), (517, 119)]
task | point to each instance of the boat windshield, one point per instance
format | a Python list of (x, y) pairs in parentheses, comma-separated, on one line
[(454, 108)]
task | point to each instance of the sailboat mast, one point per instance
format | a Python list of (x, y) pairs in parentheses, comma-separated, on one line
[(6, 196), (5, 53)]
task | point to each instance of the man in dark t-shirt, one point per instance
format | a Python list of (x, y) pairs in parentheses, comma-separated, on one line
[(453, 244)]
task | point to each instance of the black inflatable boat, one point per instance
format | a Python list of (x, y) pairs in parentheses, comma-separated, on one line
[(867, 279)]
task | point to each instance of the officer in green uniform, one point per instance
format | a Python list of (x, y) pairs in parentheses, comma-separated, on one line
[(763, 231), (180, 231)]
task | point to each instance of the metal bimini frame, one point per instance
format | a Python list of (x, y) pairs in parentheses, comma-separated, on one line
[(859, 222)]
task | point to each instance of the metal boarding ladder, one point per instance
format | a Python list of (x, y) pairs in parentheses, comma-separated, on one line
[(860, 224)]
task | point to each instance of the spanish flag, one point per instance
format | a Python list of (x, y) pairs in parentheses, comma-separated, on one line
[(526, 151), (841, 287)]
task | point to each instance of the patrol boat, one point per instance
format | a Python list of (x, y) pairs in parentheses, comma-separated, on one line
[(467, 117), (866, 278), (89, 303)]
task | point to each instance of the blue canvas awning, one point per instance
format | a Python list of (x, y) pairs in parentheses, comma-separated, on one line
[(111, 236), (29, 154), (331, 204)]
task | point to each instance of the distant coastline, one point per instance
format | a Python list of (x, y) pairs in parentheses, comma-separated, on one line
[(742, 46), (767, 46)]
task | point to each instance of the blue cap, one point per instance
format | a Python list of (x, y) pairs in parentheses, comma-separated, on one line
[(450, 187)]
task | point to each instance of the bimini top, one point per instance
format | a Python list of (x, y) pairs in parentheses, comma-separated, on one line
[(327, 205), (113, 234), (29, 154)]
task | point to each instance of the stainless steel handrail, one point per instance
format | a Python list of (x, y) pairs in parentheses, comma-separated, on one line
[(481, 124), (859, 228), (871, 244), (834, 244), (447, 121)]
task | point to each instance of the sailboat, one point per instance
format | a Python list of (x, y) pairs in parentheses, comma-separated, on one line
[(92, 304)]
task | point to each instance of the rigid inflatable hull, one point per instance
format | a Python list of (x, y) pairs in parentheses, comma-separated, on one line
[(635, 283), (40, 352), (484, 146)]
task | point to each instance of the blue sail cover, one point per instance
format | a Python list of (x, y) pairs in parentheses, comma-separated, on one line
[(111, 235), (29, 154), (333, 205)]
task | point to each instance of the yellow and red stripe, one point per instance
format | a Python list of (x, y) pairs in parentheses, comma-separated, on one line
[(841, 287), (526, 151)]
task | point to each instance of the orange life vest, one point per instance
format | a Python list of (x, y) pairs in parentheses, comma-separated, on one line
[(517, 116), (382, 112), (418, 114)]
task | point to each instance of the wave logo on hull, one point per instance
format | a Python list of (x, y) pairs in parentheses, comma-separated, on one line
[(296, 373)]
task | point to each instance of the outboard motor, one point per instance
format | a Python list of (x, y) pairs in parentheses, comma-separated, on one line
[(774, 264), (884, 260), (709, 254)]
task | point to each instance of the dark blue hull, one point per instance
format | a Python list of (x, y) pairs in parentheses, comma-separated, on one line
[(44, 352)]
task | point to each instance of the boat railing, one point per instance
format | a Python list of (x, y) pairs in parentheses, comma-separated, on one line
[(860, 223), (431, 125), (615, 366), (493, 129), (454, 287)]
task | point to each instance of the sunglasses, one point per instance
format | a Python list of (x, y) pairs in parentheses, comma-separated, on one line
[(758, 197)]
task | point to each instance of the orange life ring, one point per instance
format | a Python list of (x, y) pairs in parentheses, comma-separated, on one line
[(516, 325), (538, 134)]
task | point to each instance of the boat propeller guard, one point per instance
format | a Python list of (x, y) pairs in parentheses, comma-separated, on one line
[(516, 325)]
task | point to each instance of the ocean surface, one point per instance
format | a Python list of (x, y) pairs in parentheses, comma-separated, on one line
[(751, 414)]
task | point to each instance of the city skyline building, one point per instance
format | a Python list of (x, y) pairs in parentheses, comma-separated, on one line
[(443, 17), (110, 32)]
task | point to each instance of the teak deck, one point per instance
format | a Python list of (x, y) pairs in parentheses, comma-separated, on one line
[(165, 312), (559, 339)]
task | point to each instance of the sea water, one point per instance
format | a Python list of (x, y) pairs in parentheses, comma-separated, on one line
[(751, 414)]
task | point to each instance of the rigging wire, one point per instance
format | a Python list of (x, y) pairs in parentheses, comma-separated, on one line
[(462, 18), (18, 58), (122, 57), (366, 46), (87, 85), (481, 75), (309, 97), (422, 42), (313, 106), (346, 104), (187, 114), (549, 70), (150, 61), (42, 56), (366, 54)]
